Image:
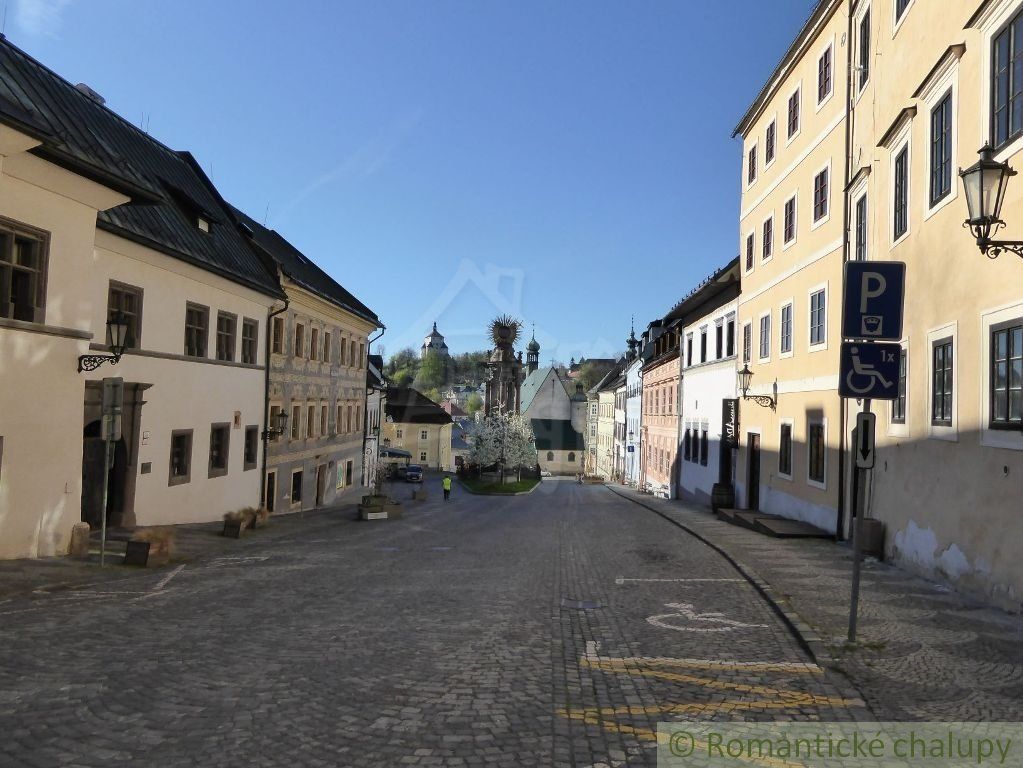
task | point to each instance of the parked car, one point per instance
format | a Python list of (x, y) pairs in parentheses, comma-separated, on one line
[(545, 473), (414, 474)]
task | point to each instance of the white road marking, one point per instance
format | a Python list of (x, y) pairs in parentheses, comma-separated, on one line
[(622, 580), (685, 611), (166, 579)]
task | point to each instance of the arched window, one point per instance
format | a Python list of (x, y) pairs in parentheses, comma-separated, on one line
[(550, 455), (571, 456)]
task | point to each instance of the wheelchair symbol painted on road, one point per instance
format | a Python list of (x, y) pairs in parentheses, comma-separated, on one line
[(684, 613)]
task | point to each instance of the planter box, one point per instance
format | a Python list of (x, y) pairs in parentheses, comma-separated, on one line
[(233, 529), (390, 510), (419, 494), (136, 553)]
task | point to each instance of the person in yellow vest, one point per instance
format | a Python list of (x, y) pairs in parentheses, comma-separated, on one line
[(447, 487)]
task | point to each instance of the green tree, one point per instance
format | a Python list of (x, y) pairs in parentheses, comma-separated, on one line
[(473, 404), (591, 373), (432, 373)]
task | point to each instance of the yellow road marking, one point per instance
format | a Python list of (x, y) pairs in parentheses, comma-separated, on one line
[(738, 666)]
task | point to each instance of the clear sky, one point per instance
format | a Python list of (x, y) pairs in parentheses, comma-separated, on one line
[(567, 162)]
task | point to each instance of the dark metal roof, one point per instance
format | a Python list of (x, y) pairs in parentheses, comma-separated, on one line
[(299, 268), (556, 435), (168, 189), (408, 406)]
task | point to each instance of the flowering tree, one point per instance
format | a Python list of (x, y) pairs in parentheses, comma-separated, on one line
[(505, 438)]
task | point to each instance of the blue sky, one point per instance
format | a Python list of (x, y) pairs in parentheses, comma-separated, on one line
[(568, 162)]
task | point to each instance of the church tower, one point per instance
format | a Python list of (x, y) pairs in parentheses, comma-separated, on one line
[(532, 354)]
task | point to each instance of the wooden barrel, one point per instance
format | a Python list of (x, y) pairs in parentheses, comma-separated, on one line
[(722, 496)]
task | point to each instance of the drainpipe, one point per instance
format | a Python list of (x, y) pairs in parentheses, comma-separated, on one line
[(842, 420), (266, 395)]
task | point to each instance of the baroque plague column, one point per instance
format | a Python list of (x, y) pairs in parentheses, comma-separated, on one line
[(504, 369)]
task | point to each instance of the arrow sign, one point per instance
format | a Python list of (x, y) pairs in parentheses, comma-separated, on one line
[(865, 440)]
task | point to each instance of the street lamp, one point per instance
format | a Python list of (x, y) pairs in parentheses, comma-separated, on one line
[(745, 377), (984, 183), (279, 426), (117, 335)]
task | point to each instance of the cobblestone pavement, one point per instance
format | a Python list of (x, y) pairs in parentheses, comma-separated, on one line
[(550, 629), (923, 653)]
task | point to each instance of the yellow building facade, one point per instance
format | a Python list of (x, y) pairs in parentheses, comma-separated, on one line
[(791, 256)]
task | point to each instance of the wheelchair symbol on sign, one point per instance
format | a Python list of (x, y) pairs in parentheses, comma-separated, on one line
[(865, 371)]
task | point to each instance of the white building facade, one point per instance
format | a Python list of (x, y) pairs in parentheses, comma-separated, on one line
[(633, 420)]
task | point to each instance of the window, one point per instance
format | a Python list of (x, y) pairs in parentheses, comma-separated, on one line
[(571, 455), (400, 433), (1007, 83), (362, 355), (817, 450), (251, 447), (296, 422), (703, 345), (22, 274), (310, 427), (299, 340), (900, 8), (314, 343), (747, 342), (220, 444), (689, 349), (860, 228), (824, 75), (326, 347), (704, 446), (250, 332), (786, 329), (342, 349), (941, 149), (901, 196), (730, 337), (751, 165), (127, 299), (278, 336), (423, 434), (1007, 376), (323, 419), (337, 420), (899, 404), (769, 142), (785, 450), (349, 423), (357, 426), (687, 445), (818, 317), (197, 320), (296, 487), (765, 337), (180, 457), (820, 195), (789, 229), (767, 242), (352, 361), (793, 121), (719, 341), (550, 454), (864, 49), (941, 387), (750, 247), (422, 456), (226, 325)]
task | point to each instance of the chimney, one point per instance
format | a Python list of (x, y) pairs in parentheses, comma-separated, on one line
[(83, 88)]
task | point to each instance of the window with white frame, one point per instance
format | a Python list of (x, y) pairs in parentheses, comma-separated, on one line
[(900, 193), (785, 449), (793, 115), (818, 317), (824, 75), (820, 195), (860, 228), (767, 238), (751, 166), (941, 150), (899, 403), (770, 139), (1007, 376), (730, 336), (785, 330), (900, 8), (747, 342), (816, 443), (1007, 82), (863, 49), (789, 220), (765, 336), (750, 249), (942, 382)]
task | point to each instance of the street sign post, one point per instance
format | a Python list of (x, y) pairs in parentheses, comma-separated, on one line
[(869, 370), (864, 448), (874, 295)]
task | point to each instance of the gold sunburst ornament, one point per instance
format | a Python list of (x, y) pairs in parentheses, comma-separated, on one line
[(504, 330)]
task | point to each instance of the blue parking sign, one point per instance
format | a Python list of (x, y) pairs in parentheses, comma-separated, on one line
[(872, 306), (869, 370)]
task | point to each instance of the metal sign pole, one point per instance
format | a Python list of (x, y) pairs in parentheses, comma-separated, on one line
[(861, 506), (107, 447)]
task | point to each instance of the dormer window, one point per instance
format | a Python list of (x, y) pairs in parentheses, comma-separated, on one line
[(203, 224)]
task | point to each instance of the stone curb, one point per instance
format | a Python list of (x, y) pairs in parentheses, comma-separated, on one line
[(805, 635)]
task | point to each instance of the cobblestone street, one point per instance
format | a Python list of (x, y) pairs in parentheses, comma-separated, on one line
[(550, 629)]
